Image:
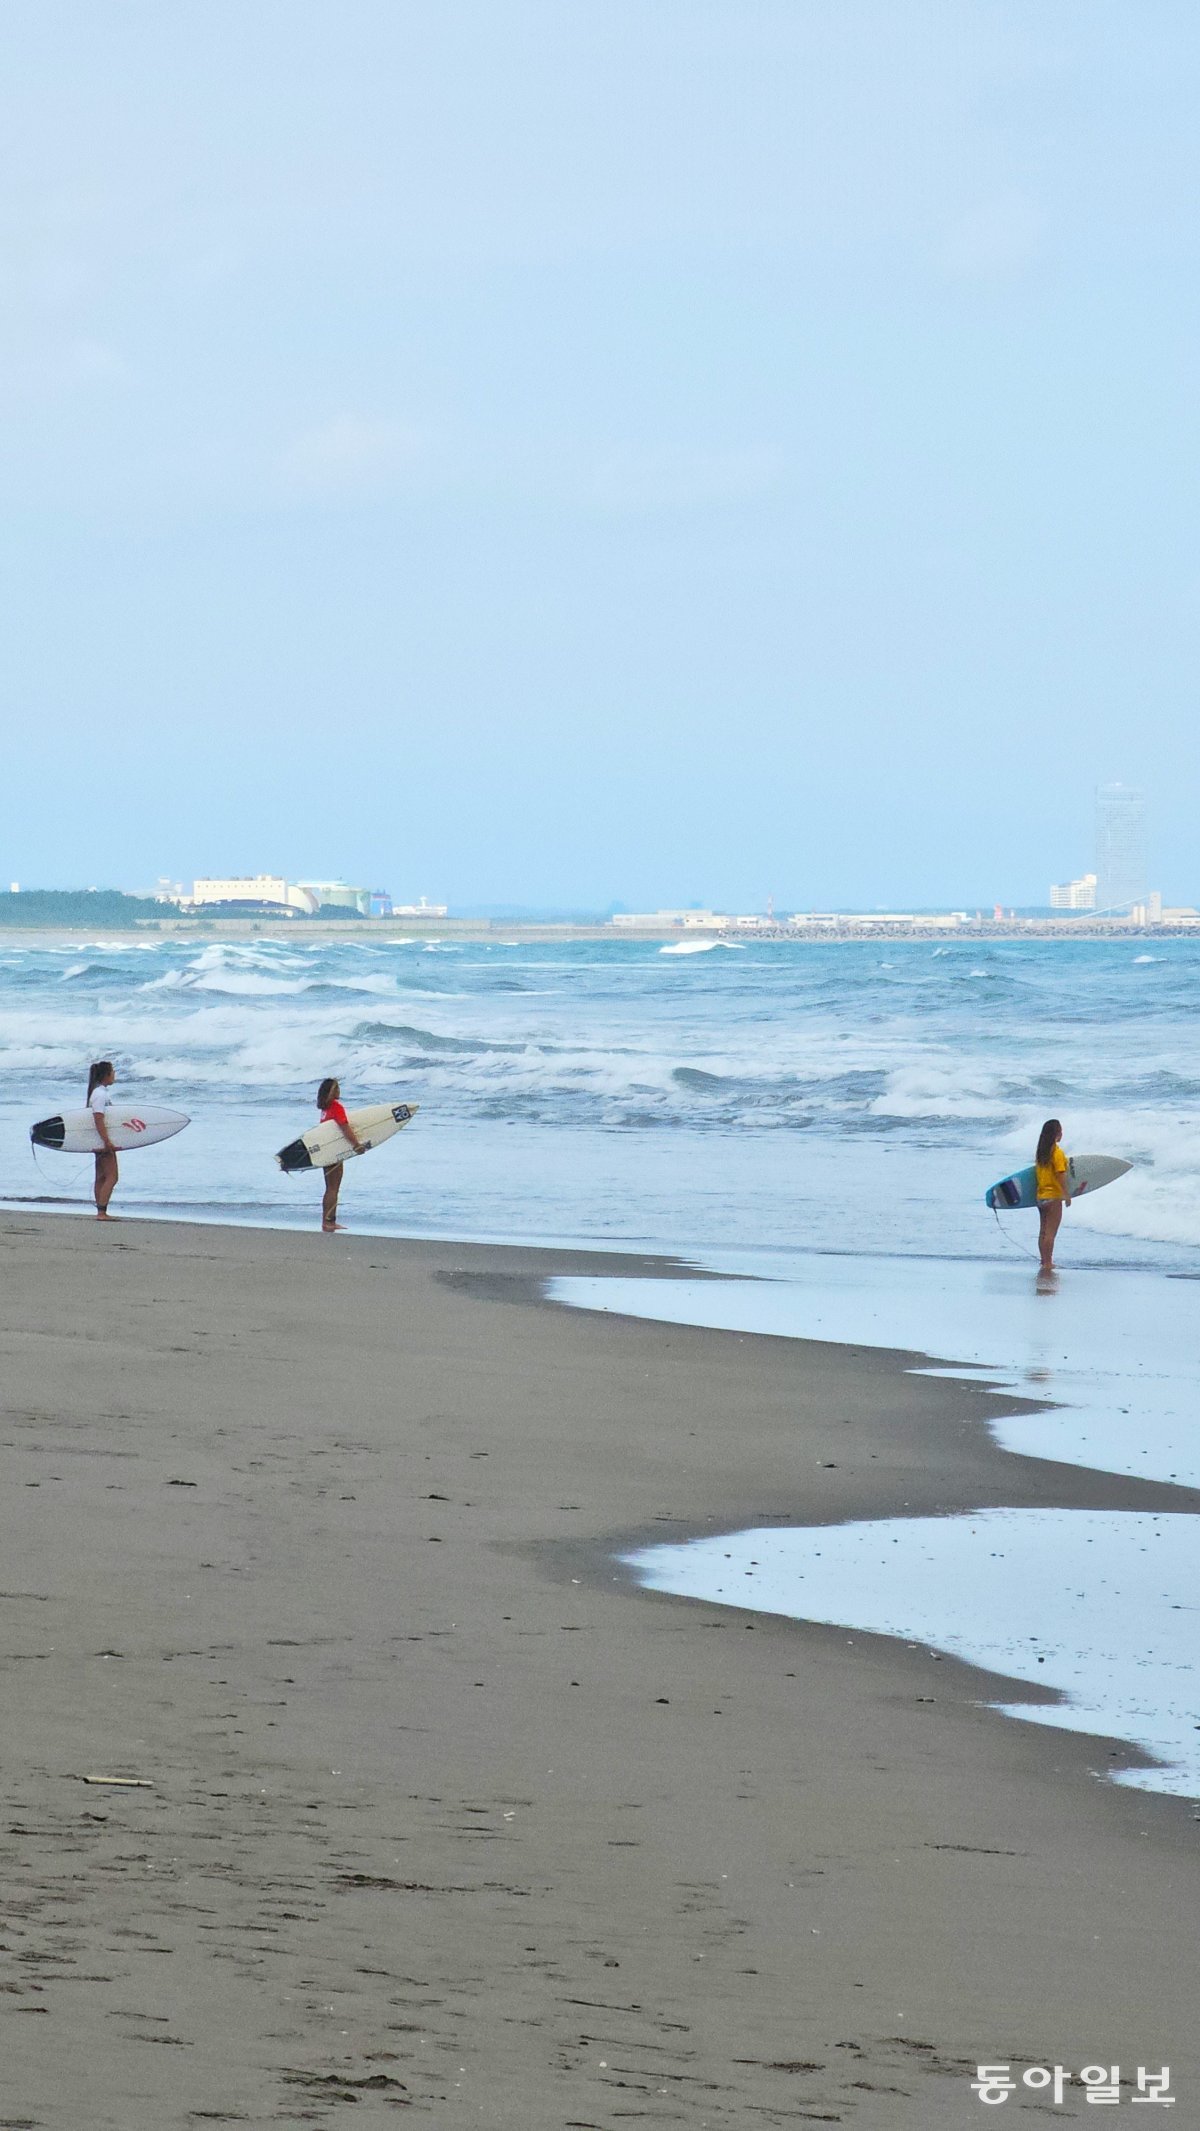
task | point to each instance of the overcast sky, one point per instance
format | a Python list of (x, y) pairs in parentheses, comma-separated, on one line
[(551, 451)]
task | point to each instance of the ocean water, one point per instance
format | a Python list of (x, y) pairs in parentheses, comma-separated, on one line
[(826, 1118), (751, 1097)]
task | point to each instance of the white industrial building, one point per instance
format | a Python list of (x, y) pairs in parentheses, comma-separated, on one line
[(258, 891), (662, 920), (255, 890), (340, 895), (1074, 895)]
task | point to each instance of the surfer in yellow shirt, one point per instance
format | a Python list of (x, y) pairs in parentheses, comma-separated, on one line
[(1053, 1189)]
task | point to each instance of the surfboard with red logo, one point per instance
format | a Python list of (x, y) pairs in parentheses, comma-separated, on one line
[(130, 1124)]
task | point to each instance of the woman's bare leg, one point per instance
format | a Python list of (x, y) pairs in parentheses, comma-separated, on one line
[(106, 1179), (333, 1184), (1050, 1215)]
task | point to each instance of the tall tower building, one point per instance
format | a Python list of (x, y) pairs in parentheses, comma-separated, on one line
[(1120, 847)]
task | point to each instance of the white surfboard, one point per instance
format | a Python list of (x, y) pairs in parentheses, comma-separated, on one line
[(1085, 1173), (326, 1144), (131, 1124)]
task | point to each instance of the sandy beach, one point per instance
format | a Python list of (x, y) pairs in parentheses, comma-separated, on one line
[(425, 1806)]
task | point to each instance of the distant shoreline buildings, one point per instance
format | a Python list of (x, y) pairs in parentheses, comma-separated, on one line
[(252, 910), (269, 895), (714, 921), (1118, 884), (263, 891), (1107, 901), (1063, 922), (1120, 847), (1075, 895)]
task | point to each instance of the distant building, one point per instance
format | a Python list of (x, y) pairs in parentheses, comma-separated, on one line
[(1075, 895), (1120, 847), (340, 895), (664, 920), (924, 921), (258, 891), (857, 921)]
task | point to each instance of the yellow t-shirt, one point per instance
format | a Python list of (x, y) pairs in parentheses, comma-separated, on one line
[(1050, 1175)]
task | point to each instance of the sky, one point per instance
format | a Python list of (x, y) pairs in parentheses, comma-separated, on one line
[(578, 451)]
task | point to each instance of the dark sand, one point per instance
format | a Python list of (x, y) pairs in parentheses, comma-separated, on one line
[(314, 1536)]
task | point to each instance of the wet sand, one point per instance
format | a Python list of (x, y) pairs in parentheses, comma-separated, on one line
[(427, 1807)]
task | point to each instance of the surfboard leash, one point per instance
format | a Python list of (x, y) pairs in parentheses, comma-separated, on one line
[(1018, 1247), (76, 1181)]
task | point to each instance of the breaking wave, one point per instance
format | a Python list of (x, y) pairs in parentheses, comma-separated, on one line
[(942, 1058)]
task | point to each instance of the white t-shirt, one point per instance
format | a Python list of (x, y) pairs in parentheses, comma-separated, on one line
[(100, 1099)]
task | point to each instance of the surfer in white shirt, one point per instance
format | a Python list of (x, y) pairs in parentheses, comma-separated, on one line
[(100, 1079)]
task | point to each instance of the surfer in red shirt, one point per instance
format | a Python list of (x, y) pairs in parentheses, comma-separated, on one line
[(329, 1103)]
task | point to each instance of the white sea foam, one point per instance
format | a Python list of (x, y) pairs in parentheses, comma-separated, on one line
[(122, 947), (698, 947), (885, 1080), (239, 983), (382, 986), (939, 1089)]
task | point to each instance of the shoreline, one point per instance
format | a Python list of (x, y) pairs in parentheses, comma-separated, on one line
[(1171, 1260), (318, 1538), (972, 932)]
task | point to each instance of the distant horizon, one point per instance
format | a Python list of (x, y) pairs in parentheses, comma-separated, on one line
[(596, 914)]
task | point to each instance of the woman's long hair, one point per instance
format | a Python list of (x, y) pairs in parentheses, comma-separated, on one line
[(327, 1092), (98, 1074), (1048, 1137)]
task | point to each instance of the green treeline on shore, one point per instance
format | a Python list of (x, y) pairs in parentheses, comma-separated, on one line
[(114, 911), (77, 906)]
